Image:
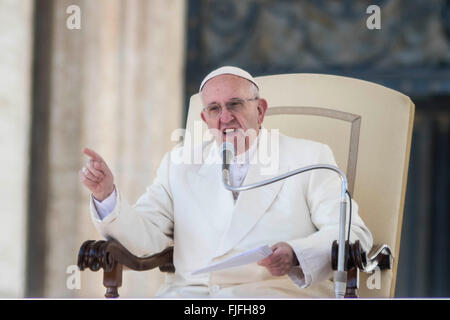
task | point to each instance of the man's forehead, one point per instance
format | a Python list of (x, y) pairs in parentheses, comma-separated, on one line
[(224, 87)]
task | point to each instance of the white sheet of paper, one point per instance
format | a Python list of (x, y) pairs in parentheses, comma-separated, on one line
[(240, 259)]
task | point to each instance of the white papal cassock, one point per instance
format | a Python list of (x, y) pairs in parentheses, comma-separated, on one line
[(188, 206)]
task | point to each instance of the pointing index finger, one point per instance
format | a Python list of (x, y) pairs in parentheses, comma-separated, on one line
[(92, 154)]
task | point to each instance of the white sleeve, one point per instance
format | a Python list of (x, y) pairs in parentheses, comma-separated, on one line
[(314, 251), (105, 207), (146, 227)]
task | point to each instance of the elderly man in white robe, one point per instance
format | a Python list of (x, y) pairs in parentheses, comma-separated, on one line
[(188, 207)]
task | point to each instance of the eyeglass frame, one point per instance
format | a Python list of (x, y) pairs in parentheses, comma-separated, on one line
[(205, 109)]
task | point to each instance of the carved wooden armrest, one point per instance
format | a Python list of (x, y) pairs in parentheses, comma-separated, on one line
[(379, 256), (111, 256)]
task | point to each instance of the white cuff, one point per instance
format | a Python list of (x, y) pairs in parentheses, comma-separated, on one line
[(105, 207), (301, 275), (298, 276)]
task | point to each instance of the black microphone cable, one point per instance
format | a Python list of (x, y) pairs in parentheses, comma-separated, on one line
[(350, 216)]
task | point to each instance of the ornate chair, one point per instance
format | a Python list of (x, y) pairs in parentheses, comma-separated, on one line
[(369, 129)]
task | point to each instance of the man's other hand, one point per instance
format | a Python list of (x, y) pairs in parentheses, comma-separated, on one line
[(96, 176), (281, 260)]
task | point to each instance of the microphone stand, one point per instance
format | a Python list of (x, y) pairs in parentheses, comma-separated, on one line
[(340, 275)]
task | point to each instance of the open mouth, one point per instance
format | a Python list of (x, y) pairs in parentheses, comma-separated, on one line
[(230, 132)]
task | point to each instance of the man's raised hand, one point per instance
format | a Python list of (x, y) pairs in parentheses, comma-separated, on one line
[(96, 176)]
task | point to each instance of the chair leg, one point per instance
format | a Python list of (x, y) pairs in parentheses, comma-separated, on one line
[(352, 283), (112, 280)]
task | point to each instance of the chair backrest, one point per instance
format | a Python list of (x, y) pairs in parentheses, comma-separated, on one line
[(369, 129)]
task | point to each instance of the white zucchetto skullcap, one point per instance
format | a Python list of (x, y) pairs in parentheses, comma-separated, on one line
[(228, 70)]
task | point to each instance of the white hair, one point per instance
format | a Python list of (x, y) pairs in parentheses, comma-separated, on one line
[(254, 90)]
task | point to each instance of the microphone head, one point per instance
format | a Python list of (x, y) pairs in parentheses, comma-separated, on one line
[(227, 151)]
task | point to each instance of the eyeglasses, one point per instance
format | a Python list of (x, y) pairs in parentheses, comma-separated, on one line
[(234, 106)]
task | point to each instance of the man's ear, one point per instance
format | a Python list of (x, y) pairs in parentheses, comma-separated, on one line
[(203, 117), (262, 108)]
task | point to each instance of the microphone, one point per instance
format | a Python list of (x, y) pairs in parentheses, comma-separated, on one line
[(227, 150), (340, 275)]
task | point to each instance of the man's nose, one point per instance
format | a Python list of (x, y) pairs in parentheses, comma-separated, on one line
[(226, 116)]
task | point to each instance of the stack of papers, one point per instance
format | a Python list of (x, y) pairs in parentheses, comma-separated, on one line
[(240, 259)]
